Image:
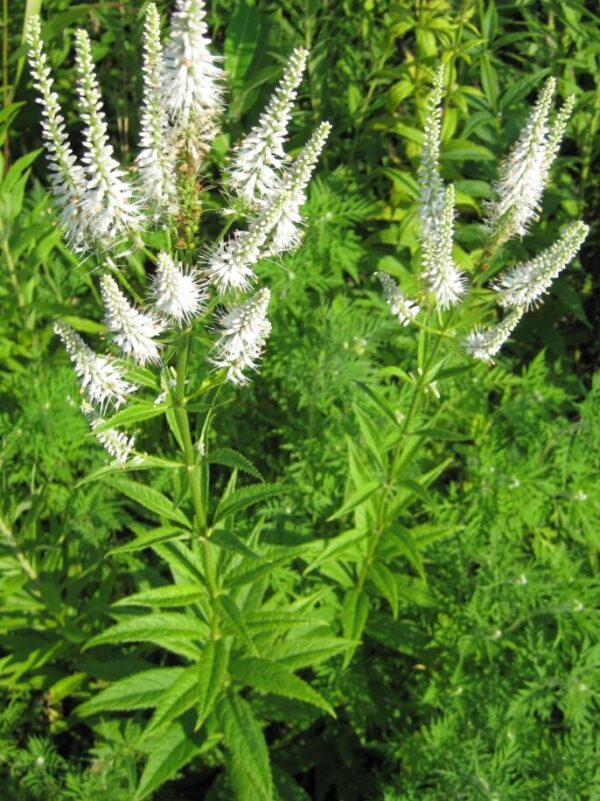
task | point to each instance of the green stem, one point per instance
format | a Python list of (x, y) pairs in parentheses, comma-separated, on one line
[(193, 468)]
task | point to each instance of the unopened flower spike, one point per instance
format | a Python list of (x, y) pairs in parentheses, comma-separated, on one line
[(287, 233), (484, 344), (108, 201), (101, 379), (524, 174), (193, 81), (446, 281), (156, 160), (404, 309), (66, 175), (116, 443), (431, 188), (244, 331), (259, 159), (525, 283), (132, 330), (178, 295)]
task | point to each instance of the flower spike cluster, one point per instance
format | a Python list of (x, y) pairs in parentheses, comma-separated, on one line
[(156, 160), (259, 159), (101, 379), (193, 81), (524, 284), (105, 208), (132, 330), (107, 204), (402, 308), (525, 173), (244, 331), (67, 176), (517, 198)]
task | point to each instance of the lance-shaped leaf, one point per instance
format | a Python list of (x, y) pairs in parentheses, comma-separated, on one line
[(140, 691), (150, 499)]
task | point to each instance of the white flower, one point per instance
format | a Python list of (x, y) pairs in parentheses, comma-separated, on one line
[(525, 283), (401, 307), (116, 443), (431, 188), (132, 330), (67, 176), (156, 160), (287, 234), (177, 294), (259, 159), (446, 281), (524, 174), (192, 86), (108, 203), (244, 330), (100, 377), (485, 344)]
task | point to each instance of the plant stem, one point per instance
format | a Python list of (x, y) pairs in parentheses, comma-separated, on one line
[(191, 463)]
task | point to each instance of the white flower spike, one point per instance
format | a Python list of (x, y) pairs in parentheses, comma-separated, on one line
[(192, 87), (67, 176), (404, 309), (132, 330), (178, 295), (100, 378), (258, 161), (244, 331), (524, 174), (446, 282), (431, 188), (116, 443), (484, 344), (156, 160), (525, 283), (108, 201)]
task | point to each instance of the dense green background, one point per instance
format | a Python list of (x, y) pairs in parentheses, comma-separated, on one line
[(486, 684)]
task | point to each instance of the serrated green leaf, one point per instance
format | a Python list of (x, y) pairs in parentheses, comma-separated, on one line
[(229, 542), (176, 747), (212, 673), (150, 499), (140, 691), (360, 495), (408, 546), (246, 744), (154, 537), (151, 628), (233, 619), (385, 581), (132, 414), (305, 652), (245, 497), (271, 677), (231, 458), (183, 694), (355, 611), (337, 546), (168, 597)]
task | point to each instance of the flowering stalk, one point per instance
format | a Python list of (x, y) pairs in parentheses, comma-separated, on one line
[(107, 203), (430, 181), (133, 331), (446, 281), (156, 161), (484, 344), (192, 87), (402, 308), (525, 283), (258, 161), (116, 443), (244, 331), (67, 176), (523, 175), (101, 379), (177, 294)]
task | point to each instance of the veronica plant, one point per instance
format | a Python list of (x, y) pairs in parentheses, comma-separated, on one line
[(201, 292), (392, 471)]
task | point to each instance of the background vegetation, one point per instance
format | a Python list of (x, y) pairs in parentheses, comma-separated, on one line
[(483, 683)]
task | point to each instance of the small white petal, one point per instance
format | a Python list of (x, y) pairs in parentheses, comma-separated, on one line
[(132, 330), (401, 307), (484, 344), (177, 294), (244, 331)]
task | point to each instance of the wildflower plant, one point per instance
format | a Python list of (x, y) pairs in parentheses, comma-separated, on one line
[(201, 294)]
